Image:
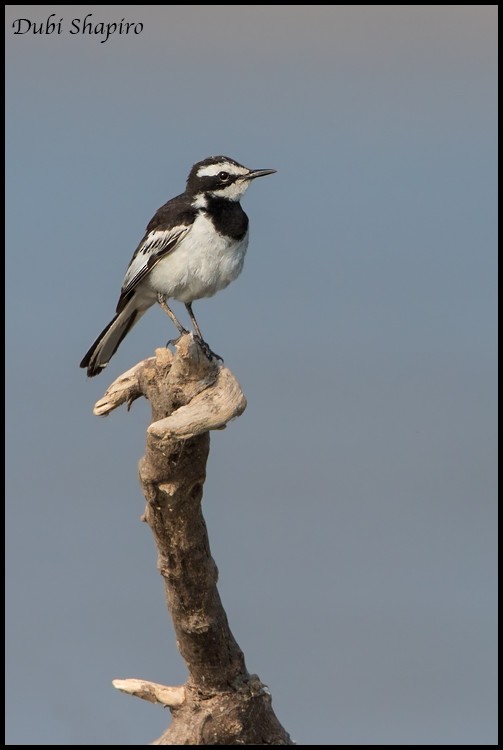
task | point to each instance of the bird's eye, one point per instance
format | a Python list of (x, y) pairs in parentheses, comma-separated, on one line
[(224, 176)]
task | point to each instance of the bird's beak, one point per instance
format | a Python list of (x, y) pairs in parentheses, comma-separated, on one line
[(259, 173)]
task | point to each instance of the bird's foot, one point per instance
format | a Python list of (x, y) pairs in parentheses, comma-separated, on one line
[(206, 349), (202, 344), (174, 342)]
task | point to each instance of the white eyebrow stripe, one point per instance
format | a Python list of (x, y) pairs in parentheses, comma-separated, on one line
[(210, 170)]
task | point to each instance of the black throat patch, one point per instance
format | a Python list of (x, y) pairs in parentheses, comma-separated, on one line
[(228, 217)]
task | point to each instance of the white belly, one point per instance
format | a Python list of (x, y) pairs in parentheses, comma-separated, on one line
[(203, 263)]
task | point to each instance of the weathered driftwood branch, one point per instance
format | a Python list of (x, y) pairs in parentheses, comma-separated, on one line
[(152, 691), (221, 703)]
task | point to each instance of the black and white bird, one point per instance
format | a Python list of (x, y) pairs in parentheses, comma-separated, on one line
[(194, 246)]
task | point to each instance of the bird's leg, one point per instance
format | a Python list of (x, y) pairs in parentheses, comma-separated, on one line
[(188, 305), (204, 346), (181, 330), (162, 301)]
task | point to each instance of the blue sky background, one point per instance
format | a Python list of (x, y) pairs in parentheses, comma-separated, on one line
[(352, 508)]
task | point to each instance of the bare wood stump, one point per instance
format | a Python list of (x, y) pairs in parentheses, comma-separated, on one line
[(221, 703)]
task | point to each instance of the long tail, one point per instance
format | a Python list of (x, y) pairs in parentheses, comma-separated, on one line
[(109, 339)]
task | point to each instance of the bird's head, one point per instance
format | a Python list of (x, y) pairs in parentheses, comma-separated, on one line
[(222, 177)]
